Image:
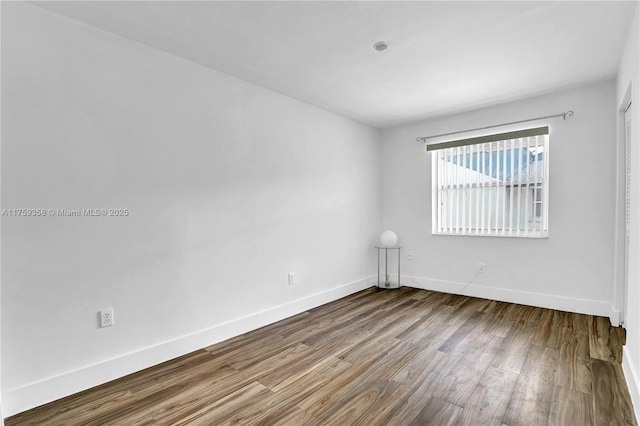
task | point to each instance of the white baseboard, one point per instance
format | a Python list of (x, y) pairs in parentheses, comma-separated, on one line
[(34, 394), (569, 304), (633, 380), (614, 316)]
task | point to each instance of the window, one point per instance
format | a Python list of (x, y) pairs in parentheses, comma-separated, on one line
[(496, 185)]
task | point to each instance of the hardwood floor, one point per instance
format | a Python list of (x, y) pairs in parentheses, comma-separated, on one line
[(378, 357)]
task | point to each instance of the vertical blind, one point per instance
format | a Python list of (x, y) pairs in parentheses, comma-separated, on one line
[(494, 185)]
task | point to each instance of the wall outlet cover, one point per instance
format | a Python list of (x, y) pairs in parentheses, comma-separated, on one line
[(106, 317)]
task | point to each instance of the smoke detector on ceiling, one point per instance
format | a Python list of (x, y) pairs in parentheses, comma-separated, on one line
[(380, 46)]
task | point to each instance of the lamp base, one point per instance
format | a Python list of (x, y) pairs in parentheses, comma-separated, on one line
[(391, 286)]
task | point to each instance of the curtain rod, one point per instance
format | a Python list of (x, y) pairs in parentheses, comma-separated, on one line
[(564, 116)]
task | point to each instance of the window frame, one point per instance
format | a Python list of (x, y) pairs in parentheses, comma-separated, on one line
[(485, 228)]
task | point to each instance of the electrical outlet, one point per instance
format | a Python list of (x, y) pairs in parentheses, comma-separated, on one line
[(482, 267), (410, 256), (292, 278), (106, 317)]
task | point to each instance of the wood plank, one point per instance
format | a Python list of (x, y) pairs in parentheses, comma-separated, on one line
[(283, 402), (377, 371), (434, 318), (313, 377), (612, 404), (531, 400), (605, 342), (84, 414), (438, 412), (467, 327), (501, 321), (545, 330), (418, 378), (474, 338), (512, 353), (232, 405), (421, 389), (490, 398), (457, 386), (357, 403), (294, 416), (295, 367), (570, 407), (191, 395), (574, 363), (210, 369)]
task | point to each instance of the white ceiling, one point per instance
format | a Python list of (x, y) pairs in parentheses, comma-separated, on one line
[(443, 56)]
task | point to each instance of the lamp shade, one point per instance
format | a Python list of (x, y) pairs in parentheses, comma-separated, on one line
[(388, 238)]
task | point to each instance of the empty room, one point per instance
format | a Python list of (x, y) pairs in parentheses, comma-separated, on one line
[(320, 213)]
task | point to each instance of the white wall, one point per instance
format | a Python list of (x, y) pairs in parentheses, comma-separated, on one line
[(628, 88), (572, 269), (1, 411), (229, 187)]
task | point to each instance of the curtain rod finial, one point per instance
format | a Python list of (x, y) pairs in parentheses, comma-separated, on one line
[(567, 114)]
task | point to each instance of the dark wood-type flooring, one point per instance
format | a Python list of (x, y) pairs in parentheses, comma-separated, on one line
[(379, 357)]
